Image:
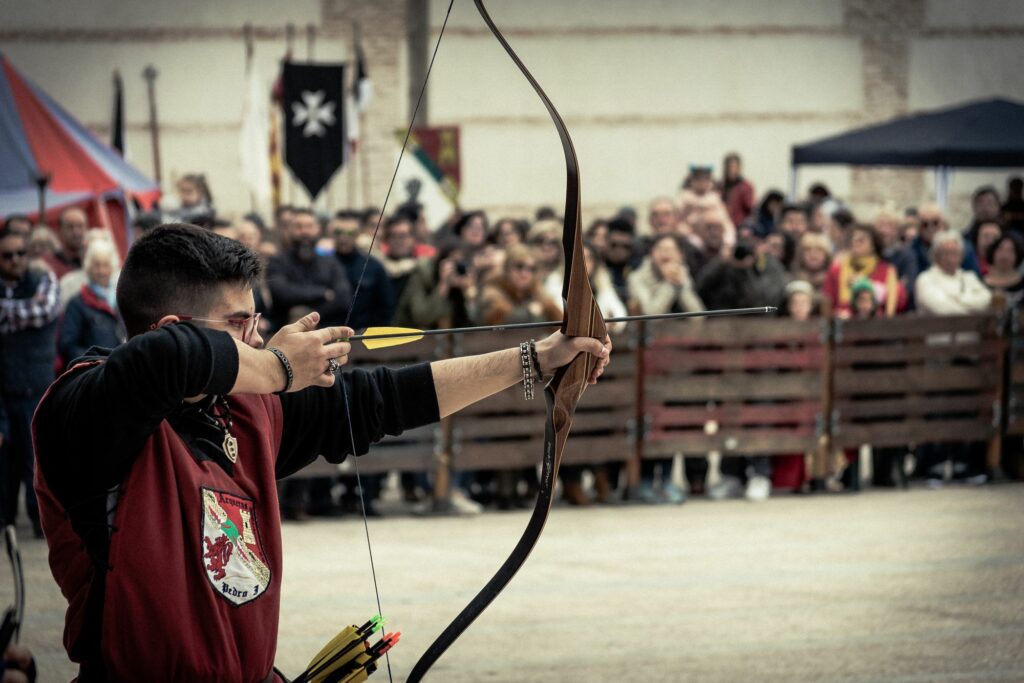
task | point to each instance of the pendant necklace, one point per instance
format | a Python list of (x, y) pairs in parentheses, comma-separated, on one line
[(230, 443)]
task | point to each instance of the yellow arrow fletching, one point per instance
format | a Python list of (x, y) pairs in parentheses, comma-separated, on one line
[(409, 335)]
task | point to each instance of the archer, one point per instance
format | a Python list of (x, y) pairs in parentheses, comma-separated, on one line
[(170, 445)]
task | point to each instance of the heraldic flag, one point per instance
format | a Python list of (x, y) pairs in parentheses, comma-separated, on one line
[(314, 122)]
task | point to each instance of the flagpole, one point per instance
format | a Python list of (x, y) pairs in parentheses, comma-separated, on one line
[(289, 38), (150, 74), (117, 122), (364, 157)]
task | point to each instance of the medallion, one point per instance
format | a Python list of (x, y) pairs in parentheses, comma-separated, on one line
[(230, 447)]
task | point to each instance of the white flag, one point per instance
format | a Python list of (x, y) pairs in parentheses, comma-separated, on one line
[(253, 150)]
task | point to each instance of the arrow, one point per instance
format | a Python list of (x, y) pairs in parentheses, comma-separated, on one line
[(382, 337)]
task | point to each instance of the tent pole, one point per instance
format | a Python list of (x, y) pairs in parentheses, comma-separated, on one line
[(792, 183), (41, 182), (942, 186)]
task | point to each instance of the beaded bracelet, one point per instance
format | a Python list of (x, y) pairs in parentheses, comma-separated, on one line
[(287, 368), (524, 357)]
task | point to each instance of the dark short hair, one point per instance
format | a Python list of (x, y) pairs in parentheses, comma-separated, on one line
[(15, 218), (876, 238), (396, 219), (621, 225), (984, 190), (790, 208), (178, 269), (1015, 240), (8, 231), (464, 220), (349, 215), (64, 212)]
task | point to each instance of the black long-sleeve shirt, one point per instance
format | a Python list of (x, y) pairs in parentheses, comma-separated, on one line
[(94, 424)]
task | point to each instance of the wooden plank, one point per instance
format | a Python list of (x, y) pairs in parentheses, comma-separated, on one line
[(610, 392), (732, 415), (917, 406), (730, 331), (1017, 374), (912, 431), (915, 326), (379, 461), (746, 441), (735, 386), (911, 351), (673, 360), (508, 455), (915, 379), (528, 426)]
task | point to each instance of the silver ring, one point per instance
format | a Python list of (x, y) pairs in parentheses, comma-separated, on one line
[(332, 366)]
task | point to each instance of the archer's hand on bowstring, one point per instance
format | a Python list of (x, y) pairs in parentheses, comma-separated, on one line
[(310, 352), (557, 350)]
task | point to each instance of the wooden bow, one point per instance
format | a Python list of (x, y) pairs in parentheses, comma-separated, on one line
[(582, 318)]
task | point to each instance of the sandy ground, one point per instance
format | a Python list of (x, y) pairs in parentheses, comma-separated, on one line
[(881, 586)]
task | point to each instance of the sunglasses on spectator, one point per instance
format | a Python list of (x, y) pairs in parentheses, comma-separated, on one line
[(932, 223), (11, 255), (246, 325), (524, 267)]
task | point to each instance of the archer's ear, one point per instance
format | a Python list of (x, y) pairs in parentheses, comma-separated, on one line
[(166, 320)]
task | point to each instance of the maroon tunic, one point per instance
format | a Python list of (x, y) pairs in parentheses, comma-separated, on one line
[(208, 545)]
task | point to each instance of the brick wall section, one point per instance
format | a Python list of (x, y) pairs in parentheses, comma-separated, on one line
[(383, 25), (884, 28)]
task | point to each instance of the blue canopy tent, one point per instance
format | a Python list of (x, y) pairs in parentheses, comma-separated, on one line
[(985, 134)]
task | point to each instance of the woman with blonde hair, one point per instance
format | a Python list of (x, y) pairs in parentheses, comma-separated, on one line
[(812, 260), (91, 317)]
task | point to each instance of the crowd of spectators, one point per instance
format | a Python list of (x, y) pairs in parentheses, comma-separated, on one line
[(713, 245)]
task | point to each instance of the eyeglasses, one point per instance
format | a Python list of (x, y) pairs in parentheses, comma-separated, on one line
[(11, 255), (933, 223), (620, 245), (524, 267), (246, 325)]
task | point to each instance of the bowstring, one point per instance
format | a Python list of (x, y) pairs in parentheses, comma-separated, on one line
[(348, 317)]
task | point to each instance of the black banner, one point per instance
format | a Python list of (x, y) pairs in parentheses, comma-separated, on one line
[(314, 122)]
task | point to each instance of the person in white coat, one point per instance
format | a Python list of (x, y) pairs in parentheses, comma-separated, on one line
[(947, 289)]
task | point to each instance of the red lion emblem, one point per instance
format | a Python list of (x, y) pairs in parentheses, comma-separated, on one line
[(218, 553)]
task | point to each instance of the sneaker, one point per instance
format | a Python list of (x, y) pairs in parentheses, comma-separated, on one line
[(758, 488), (673, 494), (975, 480), (462, 504), (727, 487), (934, 483), (646, 494)]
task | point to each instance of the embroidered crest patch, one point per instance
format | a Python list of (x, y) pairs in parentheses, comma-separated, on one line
[(233, 556)]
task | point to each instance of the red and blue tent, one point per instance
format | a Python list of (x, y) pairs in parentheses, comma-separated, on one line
[(39, 139)]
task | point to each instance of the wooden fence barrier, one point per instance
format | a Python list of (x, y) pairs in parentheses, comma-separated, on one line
[(505, 431), (745, 386), (915, 379)]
